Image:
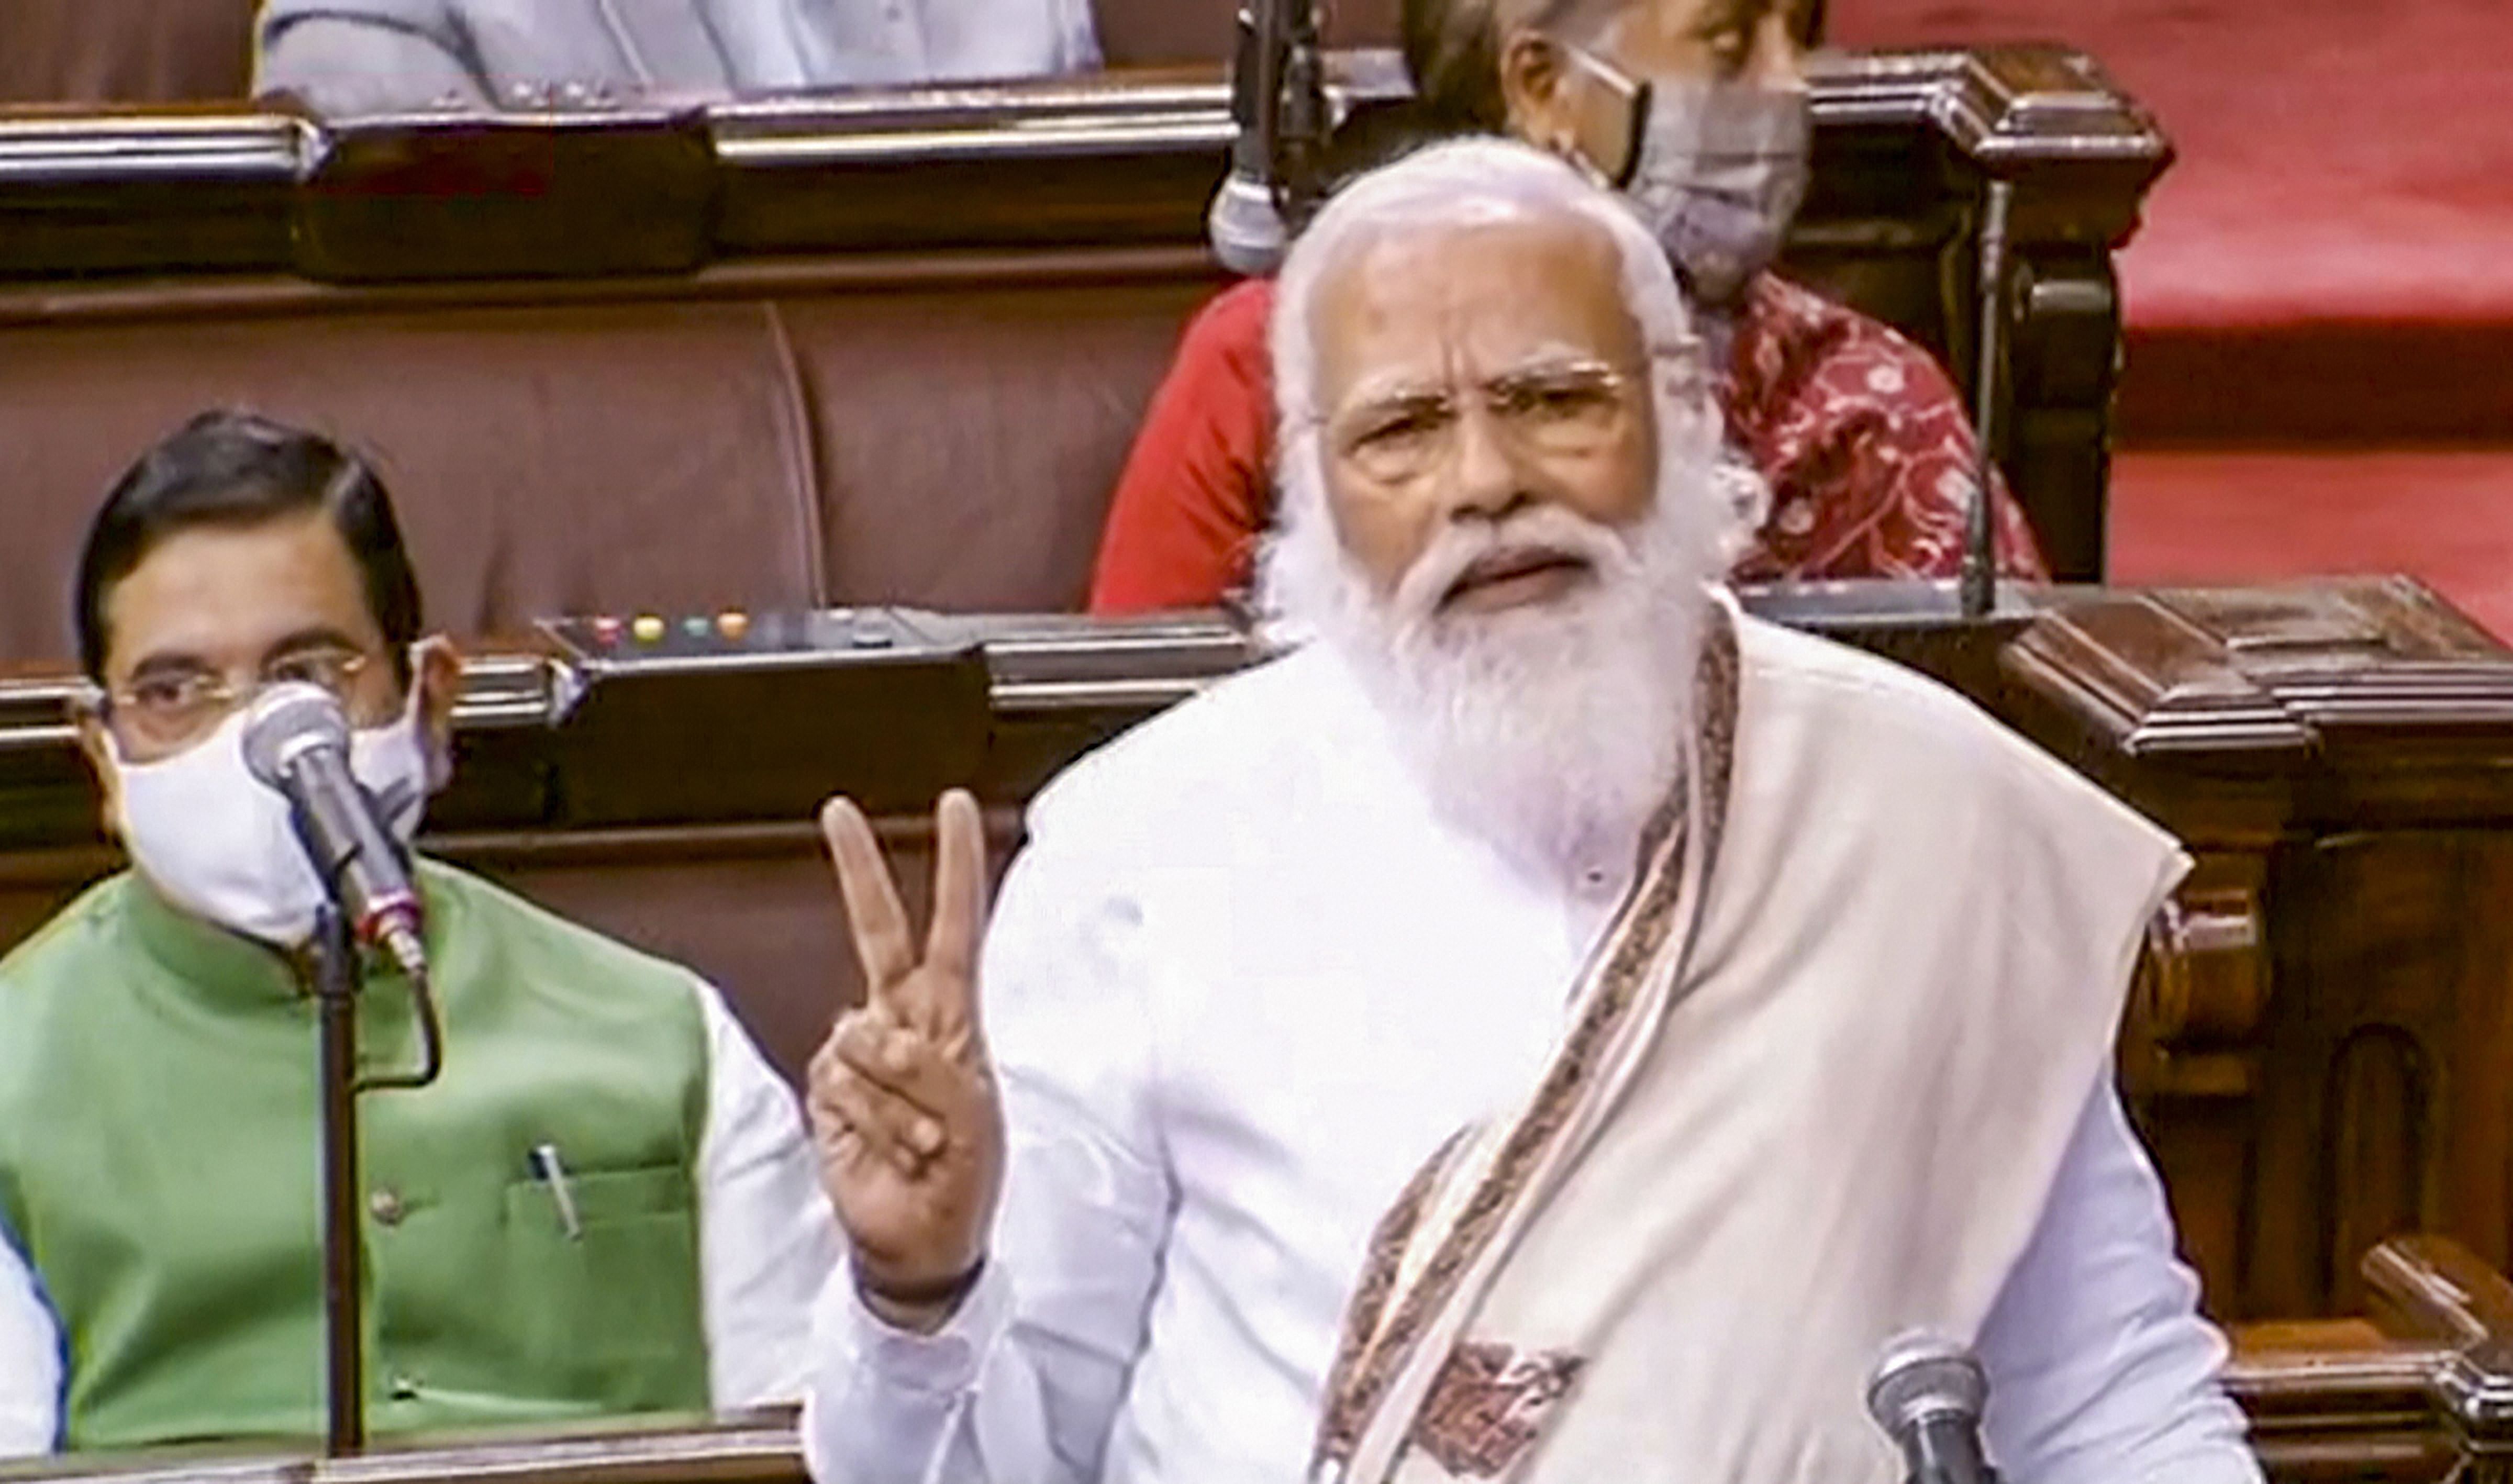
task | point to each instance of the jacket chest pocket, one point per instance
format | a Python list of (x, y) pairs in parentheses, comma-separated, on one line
[(604, 1272)]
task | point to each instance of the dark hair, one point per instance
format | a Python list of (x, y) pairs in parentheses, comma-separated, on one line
[(233, 469), (1453, 54)]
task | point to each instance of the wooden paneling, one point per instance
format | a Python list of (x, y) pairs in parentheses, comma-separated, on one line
[(2320, 1049), (184, 218)]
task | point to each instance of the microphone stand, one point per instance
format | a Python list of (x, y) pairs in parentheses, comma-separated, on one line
[(1262, 130), (337, 979), (335, 995), (1279, 115), (1300, 123), (1979, 579)]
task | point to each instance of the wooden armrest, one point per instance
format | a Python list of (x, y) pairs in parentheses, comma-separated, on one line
[(2420, 1389), (2433, 1288), (2332, 1375)]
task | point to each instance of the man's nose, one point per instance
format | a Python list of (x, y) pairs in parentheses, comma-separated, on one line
[(1489, 476)]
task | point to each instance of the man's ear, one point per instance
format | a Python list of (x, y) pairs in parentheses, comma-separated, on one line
[(98, 748), (1536, 92), (437, 671)]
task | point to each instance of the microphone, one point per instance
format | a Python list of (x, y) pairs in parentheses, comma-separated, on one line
[(1927, 1392), (1245, 226), (296, 741), (1246, 222)]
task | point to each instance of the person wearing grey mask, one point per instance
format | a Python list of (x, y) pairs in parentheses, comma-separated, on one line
[(1716, 167), (1697, 113)]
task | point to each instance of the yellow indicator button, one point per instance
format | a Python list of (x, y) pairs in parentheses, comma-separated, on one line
[(648, 627)]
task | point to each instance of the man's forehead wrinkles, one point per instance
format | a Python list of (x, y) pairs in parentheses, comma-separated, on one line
[(1433, 313)]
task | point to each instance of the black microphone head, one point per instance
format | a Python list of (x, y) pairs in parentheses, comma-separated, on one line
[(284, 721), (1922, 1375)]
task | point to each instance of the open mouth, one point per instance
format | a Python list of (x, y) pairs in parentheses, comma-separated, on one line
[(1515, 576)]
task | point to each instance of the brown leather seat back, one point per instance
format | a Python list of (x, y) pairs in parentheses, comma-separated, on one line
[(545, 460), (969, 437), (761, 919), (125, 51)]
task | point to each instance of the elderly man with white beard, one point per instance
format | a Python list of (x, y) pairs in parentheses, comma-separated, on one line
[(1549, 1026)]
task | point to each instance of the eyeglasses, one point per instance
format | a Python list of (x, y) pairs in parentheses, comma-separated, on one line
[(172, 709), (1558, 411)]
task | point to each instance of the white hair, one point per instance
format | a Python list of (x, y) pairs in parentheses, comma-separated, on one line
[(1468, 183), (1558, 730)]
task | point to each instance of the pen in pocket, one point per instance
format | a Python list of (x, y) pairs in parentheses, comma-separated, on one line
[(553, 1174)]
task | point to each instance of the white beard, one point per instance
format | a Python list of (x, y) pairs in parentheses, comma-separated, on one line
[(1553, 731)]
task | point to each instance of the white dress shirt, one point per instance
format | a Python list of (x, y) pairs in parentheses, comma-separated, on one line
[(854, 42), (1241, 984), (767, 1244), (361, 57)]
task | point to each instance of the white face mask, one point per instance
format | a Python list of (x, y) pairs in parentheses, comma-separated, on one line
[(216, 842), (1718, 172)]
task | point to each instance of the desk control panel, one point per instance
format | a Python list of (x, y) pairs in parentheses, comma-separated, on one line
[(733, 635), (667, 717), (1036, 661)]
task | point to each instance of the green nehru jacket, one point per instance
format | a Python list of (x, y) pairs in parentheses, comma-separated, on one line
[(160, 1172)]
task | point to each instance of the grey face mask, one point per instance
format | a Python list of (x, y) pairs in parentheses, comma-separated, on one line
[(1718, 170)]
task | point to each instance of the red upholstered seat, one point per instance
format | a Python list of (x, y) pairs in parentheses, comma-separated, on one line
[(2321, 303), (2192, 514), (2338, 159)]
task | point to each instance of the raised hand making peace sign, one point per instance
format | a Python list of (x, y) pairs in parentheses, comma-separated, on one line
[(902, 1098)]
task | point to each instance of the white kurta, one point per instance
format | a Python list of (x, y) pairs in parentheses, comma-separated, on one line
[(1241, 986), (767, 1243)]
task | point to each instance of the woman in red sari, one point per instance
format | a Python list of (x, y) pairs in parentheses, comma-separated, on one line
[(1696, 111)]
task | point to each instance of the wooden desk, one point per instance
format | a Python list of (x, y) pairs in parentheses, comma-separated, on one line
[(2415, 1394), (748, 1448), (2318, 1047), (2407, 1397)]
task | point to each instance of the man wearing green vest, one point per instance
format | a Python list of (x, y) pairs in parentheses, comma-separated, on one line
[(606, 1204)]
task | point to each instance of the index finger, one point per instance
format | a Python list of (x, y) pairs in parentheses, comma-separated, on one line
[(873, 911), (951, 941)]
